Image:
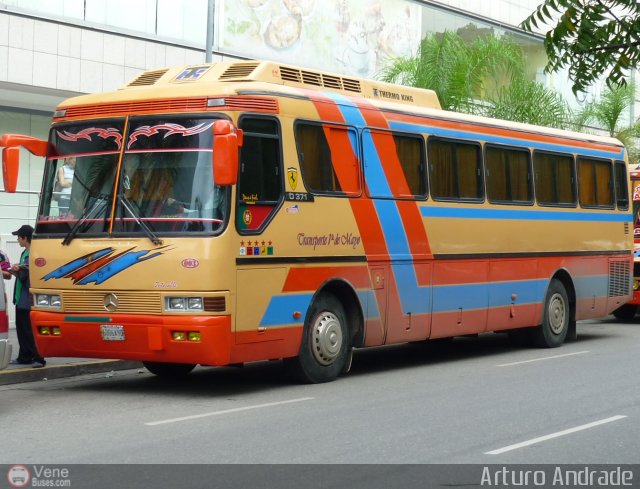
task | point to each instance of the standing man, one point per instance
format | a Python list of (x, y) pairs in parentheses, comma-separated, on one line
[(28, 352)]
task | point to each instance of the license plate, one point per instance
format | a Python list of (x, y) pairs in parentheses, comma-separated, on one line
[(111, 332)]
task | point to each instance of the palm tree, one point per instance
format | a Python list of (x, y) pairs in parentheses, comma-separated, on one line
[(608, 113), (486, 76), (457, 71), (531, 102), (460, 73)]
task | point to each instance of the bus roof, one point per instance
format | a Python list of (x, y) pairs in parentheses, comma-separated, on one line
[(199, 79), (232, 78)]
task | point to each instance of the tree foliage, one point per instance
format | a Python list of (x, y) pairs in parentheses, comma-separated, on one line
[(531, 102), (484, 77), (591, 38), (608, 113), (460, 73)]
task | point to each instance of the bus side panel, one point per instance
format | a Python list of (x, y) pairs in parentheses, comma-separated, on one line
[(376, 308), (262, 315), (409, 314), (590, 278), (460, 298), (514, 293)]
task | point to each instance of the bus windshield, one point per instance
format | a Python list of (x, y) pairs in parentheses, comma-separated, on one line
[(165, 184)]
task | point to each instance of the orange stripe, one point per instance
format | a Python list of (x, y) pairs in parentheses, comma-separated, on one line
[(363, 209), (305, 279), (512, 133), (409, 212)]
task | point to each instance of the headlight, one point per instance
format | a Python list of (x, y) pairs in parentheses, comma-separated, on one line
[(177, 303), (48, 300), (183, 304)]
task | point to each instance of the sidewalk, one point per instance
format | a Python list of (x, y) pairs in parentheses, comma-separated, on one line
[(58, 368)]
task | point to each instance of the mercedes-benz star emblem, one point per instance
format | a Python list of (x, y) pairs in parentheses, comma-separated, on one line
[(110, 302)]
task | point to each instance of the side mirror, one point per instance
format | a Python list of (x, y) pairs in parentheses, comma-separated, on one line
[(10, 168), (227, 141), (11, 156)]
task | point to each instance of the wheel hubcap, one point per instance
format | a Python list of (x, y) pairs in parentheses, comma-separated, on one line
[(326, 338), (557, 312)]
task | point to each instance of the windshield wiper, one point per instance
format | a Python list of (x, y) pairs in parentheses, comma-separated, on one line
[(101, 201), (128, 205)]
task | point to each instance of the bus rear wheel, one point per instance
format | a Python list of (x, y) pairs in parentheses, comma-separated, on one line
[(325, 350), (555, 317), (626, 312), (162, 369)]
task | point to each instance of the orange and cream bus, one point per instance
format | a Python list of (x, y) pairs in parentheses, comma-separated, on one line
[(245, 211)]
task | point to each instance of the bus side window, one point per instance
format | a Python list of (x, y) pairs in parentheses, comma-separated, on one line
[(596, 183), (327, 159), (621, 181), (260, 185)]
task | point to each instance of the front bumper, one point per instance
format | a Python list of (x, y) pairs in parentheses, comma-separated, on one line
[(146, 338)]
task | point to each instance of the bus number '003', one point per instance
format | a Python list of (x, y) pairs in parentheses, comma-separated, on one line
[(299, 196)]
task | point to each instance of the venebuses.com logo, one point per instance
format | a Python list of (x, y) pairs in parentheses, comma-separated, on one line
[(38, 476), (18, 476)]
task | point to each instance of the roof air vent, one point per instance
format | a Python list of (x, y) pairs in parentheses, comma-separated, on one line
[(318, 79), (238, 70), (147, 78), (290, 74)]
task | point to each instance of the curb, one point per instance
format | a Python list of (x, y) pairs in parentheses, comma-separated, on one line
[(19, 375)]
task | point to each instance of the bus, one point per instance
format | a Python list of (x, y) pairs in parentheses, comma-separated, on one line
[(628, 311), (245, 211)]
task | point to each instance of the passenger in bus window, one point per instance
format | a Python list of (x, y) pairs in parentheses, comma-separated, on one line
[(65, 181), (151, 189)]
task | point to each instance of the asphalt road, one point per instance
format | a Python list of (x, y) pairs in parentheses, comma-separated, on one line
[(475, 401)]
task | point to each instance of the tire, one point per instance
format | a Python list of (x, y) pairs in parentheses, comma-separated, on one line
[(169, 370), (555, 317), (626, 312), (325, 351)]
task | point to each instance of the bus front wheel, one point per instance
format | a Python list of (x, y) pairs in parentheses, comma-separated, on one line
[(162, 369), (555, 317), (325, 350)]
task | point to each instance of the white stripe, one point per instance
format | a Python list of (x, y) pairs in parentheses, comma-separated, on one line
[(228, 411), (554, 435), (543, 358)]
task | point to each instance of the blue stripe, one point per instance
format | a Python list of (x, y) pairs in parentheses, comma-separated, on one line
[(526, 215), (281, 308), (468, 135), (369, 304), (413, 298), (76, 264), (590, 286), (118, 265), (446, 298), (527, 292)]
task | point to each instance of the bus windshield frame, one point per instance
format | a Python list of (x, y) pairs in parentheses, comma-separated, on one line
[(149, 176)]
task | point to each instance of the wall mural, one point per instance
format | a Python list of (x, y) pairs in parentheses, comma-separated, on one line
[(354, 37)]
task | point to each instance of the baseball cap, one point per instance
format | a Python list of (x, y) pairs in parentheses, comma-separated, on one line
[(25, 230)]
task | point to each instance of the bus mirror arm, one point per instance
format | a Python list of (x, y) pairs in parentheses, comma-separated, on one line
[(227, 141), (11, 156)]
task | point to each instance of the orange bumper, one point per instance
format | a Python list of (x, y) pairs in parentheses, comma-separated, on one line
[(146, 338)]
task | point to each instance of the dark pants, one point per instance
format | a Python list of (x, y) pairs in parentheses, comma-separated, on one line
[(28, 351)]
